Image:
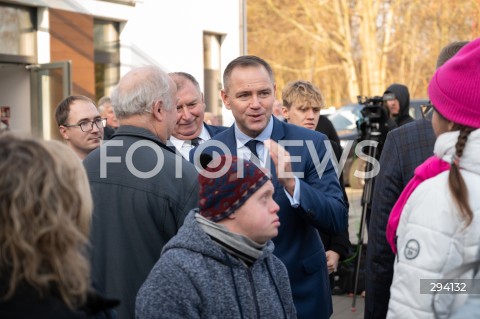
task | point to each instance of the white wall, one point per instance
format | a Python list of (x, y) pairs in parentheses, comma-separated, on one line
[(161, 32), (170, 35)]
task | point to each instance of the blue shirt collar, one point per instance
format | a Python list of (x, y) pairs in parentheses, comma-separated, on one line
[(243, 138)]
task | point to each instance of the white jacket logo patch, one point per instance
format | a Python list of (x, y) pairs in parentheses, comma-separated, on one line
[(412, 248)]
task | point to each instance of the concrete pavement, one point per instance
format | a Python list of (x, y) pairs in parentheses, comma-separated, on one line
[(342, 304)]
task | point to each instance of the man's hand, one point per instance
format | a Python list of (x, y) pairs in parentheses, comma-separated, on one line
[(332, 261), (283, 167)]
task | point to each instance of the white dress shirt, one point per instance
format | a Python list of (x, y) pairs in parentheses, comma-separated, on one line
[(184, 146)]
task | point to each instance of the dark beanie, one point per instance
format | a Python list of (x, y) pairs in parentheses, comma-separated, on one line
[(225, 187), (455, 87)]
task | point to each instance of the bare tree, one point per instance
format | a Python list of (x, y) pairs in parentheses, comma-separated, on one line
[(351, 48)]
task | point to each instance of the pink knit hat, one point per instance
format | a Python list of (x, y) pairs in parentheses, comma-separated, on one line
[(455, 87)]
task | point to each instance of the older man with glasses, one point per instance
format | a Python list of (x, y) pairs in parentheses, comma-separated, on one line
[(80, 124)]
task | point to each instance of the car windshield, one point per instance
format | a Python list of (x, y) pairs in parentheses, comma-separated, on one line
[(345, 119)]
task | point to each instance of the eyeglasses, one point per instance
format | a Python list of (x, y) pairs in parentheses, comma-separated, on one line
[(87, 126), (426, 109)]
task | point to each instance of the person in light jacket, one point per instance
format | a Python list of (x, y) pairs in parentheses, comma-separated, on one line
[(439, 225)]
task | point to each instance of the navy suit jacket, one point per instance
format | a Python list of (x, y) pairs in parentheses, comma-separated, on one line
[(298, 244), (214, 130), (405, 148)]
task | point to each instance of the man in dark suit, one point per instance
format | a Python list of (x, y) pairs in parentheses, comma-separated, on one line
[(405, 148), (306, 186), (191, 130)]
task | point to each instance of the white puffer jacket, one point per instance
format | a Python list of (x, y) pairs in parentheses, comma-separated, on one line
[(432, 238)]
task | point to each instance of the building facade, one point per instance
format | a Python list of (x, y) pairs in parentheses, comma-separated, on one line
[(50, 49)]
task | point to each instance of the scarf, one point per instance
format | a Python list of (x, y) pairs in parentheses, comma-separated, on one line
[(245, 249), (430, 168)]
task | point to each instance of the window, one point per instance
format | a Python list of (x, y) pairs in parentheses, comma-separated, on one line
[(17, 34), (211, 72)]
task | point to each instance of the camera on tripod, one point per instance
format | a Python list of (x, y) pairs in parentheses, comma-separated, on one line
[(373, 125), (372, 132)]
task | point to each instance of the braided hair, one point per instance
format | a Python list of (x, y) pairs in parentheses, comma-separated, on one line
[(457, 185)]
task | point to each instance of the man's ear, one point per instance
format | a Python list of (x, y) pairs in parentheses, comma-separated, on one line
[(63, 132), (158, 110), (285, 112), (224, 95)]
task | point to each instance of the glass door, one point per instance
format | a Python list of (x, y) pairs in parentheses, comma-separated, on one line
[(50, 83)]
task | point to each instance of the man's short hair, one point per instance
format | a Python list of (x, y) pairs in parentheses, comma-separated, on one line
[(63, 108), (180, 77), (300, 91), (449, 51), (245, 61)]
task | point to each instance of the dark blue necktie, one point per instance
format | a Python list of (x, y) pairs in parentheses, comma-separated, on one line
[(252, 146), (195, 142)]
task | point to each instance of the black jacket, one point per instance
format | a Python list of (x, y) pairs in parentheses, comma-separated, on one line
[(27, 303), (326, 127)]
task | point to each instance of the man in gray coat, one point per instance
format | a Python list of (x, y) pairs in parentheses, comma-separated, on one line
[(220, 264), (141, 189)]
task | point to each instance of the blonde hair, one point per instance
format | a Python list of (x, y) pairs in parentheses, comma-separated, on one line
[(301, 91), (45, 214)]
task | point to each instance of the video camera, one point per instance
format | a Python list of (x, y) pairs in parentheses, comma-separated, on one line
[(373, 125)]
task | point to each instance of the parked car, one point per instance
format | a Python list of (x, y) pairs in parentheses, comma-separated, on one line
[(345, 122)]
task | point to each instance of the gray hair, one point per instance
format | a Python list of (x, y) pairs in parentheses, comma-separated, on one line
[(101, 103), (138, 90), (180, 77)]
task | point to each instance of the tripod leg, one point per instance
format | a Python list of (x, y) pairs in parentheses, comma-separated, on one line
[(359, 257), (366, 201)]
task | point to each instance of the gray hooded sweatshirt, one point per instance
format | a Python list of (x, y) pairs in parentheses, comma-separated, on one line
[(195, 278)]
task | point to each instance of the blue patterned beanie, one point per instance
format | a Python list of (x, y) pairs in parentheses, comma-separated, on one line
[(224, 187)]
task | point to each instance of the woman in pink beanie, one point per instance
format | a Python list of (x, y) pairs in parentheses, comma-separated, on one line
[(439, 229)]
